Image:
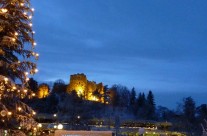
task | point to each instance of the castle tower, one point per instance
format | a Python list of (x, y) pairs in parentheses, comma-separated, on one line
[(78, 82), (88, 90)]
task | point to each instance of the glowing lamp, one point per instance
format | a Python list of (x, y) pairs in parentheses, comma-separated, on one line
[(60, 126), (9, 113), (39, 125), (4, 10)]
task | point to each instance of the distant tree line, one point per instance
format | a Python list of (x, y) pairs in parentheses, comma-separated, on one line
[(142, 107), (121, 101)]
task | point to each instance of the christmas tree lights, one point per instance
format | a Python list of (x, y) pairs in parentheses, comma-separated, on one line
[(17, 62)]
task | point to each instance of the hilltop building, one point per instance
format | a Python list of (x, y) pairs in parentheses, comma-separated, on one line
[(43, 91), (88, 90)]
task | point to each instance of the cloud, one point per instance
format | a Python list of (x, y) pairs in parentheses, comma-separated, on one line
[(146, 44)]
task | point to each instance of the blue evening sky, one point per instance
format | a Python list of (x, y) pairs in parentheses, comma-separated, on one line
[(157, 45)]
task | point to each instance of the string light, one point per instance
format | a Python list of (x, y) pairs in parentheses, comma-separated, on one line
[(27, 79), (25, 91), (19, 108), (34, 113), (14, 87), (6, 79), (9, 113), (13, 39), (26, 73), (36, 70), (4, 10)]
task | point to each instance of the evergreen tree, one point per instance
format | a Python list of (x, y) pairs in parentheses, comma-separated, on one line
[(189, 109), (132, 103), (141, 106), (202, 112), (133, 96), (17, 58), (105, 95), (115, 96), (15, 33), (150, 105), (33, 85), (59, 86)]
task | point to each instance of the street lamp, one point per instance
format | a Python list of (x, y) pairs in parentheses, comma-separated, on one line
[(60, 126), (39, 125), (55, 115)]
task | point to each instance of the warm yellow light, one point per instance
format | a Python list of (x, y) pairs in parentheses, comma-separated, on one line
[(25, 13), (22, 4), (16, 33), (34, 113), (60, 126), (36, 54), (4, 10), (19, 108), (39, 125), (80, 91), (25, 91), (35, 129), (14, 87), (13, 39), (33, 94), (30, 17), (30, 24), (6, 79), (94, 98), (9, 113), (27, 79), (26, 73), (36, 70)]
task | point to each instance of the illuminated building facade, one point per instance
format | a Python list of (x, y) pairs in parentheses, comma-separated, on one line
[(89, 90), (43, 91)]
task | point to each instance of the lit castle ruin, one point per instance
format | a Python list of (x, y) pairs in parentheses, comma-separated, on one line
[(88, 90)]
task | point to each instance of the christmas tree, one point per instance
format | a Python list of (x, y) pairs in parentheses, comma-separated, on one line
[(17, 62)]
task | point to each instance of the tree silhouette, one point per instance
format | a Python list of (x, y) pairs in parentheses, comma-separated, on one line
[(150, 105)]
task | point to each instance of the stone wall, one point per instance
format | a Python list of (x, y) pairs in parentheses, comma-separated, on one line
[(89, 90)]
